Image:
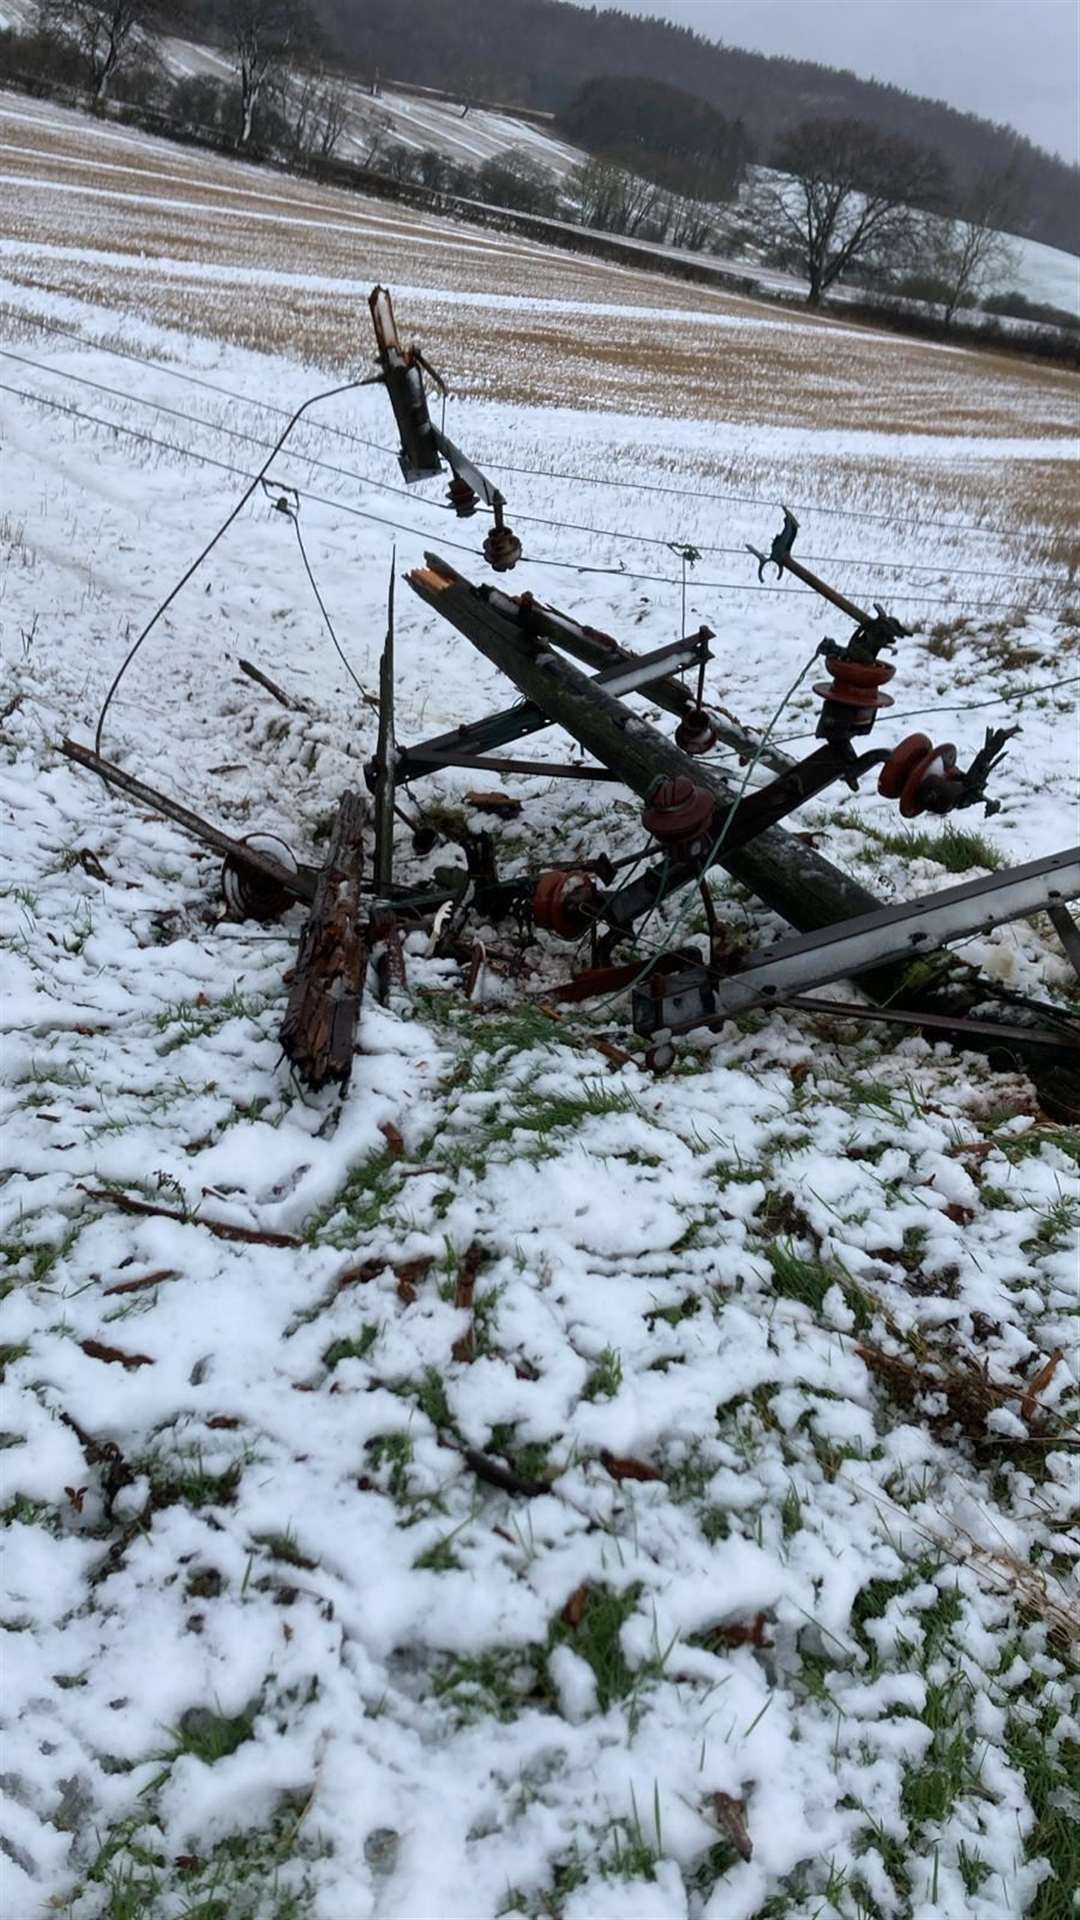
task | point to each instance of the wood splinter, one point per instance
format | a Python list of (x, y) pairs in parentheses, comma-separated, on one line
[(319, 1028)]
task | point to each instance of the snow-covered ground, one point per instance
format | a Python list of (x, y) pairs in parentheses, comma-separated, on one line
[(783, 1344)]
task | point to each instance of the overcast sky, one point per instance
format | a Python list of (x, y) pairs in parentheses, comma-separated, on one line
[(1014, 60)]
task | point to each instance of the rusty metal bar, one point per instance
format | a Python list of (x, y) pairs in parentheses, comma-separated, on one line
[(300, 885)]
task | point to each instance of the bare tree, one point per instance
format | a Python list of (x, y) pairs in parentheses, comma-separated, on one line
[(612, 199), (317, 111), (972, 251), (844, 193), (109, 34), (263, 34)]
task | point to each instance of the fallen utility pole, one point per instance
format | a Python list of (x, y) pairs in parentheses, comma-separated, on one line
[(319, 1029), (626, 673), (785, 874)]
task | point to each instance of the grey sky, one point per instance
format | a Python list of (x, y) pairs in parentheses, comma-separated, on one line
[(1014, 60)]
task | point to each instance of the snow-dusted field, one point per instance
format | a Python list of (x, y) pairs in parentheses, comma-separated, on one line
[(274, 1649)]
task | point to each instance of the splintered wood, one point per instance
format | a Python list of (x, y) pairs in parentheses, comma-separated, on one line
[(319, 1027)]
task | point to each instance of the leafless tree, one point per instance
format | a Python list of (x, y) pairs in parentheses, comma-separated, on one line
[(263, 34), (612, 199), (969, 253), (109, 34), (317, 112), (844, 193)]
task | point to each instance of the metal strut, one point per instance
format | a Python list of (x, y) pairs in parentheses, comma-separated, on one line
[(902, 932)]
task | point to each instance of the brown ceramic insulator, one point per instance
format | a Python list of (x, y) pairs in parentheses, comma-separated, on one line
[(678, 811), (502, 549), (857, 683), (940, 762), (563, 902), (462, 497), (695, 732), (901, 761)]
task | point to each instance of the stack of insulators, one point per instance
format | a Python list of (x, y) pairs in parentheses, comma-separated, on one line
[(462, 497), (853, 696)]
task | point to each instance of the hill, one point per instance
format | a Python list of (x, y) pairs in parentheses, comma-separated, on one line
[(537, 53)]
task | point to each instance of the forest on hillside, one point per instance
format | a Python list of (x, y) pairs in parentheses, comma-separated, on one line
[(538, 53)]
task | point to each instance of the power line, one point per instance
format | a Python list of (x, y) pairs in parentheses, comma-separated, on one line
[(757, 500), (191, 379), (570, 566), (214, 426), (583, 479), (971, 706), (331, 392)]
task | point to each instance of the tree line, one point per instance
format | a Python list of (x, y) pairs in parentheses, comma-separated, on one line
[(537, 53)]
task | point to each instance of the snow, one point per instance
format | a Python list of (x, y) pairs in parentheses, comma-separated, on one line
[(302, 1550)]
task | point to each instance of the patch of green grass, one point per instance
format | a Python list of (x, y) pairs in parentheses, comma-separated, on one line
[(973, 1869), (206, 1736), (431, 1399), (791, 1512), (9, 1354), (1057, 1226), (957, 849), (351, 1349), (199, 1023), (596, 1640), (605, 1378), (1050, 1770), (261, 1874), (394, 1450), (364, 1200), (183, 1475), (797, 1278), (933, 1783), (631, 1855), (43, 1257), (285, 1547), (495, 1684)]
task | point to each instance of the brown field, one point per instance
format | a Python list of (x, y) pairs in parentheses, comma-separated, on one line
[(221, 249)]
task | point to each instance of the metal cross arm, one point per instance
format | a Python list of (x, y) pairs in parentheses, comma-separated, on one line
[(912, 928), (461, 746), (879, 623)]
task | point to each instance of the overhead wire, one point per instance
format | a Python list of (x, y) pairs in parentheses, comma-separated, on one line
[(582, 479), (233, 514), (572, 566), (1013, 697)]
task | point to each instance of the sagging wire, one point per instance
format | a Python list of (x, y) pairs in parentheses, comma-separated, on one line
[(278, 496), (570, 566), (215, 426), (971, 706), (877, 565), (348, 386)]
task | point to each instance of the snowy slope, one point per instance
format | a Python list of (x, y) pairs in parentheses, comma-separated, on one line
[(276, 1651)]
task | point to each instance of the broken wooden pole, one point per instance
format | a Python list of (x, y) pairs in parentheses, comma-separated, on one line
[(600, 650), (319, 1028), (787, 875)]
